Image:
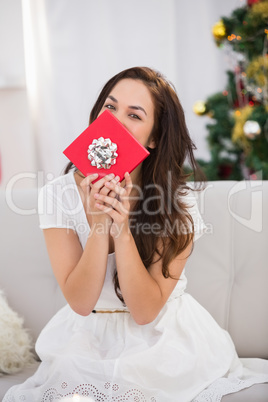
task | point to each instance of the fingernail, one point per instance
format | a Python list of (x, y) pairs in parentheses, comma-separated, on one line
[(117, 178), (111, 175), (95, 174)]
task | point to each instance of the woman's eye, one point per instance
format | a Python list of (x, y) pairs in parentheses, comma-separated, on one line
[(108, 106), (135, 116)]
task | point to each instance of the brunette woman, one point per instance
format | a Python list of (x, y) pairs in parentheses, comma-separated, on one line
[(129, 331)]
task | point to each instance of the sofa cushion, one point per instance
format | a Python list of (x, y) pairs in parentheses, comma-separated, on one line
[(256, 393), (7, 381), (227, 272)]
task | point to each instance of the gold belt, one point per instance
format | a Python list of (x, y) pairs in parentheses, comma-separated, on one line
[(109, 311)]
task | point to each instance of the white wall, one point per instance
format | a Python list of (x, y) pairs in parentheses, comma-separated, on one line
[(16, 138)]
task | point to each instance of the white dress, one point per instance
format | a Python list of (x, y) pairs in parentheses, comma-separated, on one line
[(183, 355)]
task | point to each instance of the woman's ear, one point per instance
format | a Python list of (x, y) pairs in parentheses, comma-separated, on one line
[(151, 144)]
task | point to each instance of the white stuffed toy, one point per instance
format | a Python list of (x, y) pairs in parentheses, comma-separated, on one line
[(15, 343)]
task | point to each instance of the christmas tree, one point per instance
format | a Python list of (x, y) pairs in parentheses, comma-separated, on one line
[(238, 132)]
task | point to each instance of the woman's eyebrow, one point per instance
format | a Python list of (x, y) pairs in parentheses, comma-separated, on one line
[(131, 107), (138, 108), (112, 98)]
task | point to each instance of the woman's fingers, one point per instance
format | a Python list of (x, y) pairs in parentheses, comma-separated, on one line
[(128, 182), (111, 202), (88, 180), (123, 192), (108, 210), (100, 183), (118, 207), (115, 188), (106, 190), (98, 186)]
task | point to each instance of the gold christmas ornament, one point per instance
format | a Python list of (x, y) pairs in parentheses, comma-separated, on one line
[(200, 108), (219, 30), (257, 71), (251, 129)]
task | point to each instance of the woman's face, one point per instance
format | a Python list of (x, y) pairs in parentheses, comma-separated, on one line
[(131, 103)]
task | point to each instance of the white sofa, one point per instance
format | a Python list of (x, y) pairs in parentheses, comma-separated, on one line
[(227, 272)]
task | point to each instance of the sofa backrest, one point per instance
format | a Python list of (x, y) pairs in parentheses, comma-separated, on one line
[(25, 272), (227, 272)]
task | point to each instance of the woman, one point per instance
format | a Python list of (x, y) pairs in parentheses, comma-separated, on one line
[(118, 252)]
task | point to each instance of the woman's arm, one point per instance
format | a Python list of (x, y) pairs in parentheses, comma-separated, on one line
[(144, 291), (81, 273)]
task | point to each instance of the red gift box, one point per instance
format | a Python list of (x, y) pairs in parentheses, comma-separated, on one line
[(123, 153)]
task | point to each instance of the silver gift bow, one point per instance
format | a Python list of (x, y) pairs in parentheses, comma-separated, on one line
[(102, 153)]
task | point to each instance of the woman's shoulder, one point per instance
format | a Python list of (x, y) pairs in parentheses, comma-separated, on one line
[(63, 179), (59, 202), (59, 184), (61, 190)]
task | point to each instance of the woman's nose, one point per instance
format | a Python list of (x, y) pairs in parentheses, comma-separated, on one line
[(120, 116)]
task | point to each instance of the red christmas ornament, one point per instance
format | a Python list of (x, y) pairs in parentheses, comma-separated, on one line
[(242, 98), (251, 2)]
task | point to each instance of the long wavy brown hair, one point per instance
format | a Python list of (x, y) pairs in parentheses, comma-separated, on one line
[(163, 179)]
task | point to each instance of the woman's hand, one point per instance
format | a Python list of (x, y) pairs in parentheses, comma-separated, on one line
[(117, 208), (91, 189)]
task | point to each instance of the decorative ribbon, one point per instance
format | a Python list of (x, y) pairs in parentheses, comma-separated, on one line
[(102, 153)]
